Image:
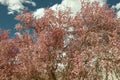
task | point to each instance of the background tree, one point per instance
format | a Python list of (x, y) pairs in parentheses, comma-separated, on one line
[(62, 47)]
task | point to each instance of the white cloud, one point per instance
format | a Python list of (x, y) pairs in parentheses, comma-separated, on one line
[(18, 35), (118, 14), (16, 5), (102, 2), (117, 7), (39, 13), (74, 5)]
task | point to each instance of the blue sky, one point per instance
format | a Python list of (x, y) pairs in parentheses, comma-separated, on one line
[(7, 21), (113, 2)]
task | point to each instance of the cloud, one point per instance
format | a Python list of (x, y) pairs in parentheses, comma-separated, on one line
[(65, 4), (118, 14), (39, 13), (74, 5), (19, 35), (102, 2), (117, 7), (16, 5)]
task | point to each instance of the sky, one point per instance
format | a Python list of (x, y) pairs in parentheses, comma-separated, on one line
[(9, 9)]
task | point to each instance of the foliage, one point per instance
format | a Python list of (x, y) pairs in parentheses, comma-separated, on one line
[(84, 47)]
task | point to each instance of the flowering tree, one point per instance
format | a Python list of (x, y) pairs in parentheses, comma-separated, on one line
[(83, 47)]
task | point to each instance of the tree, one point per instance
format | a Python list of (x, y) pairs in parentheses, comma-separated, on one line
[(84, 47)]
